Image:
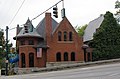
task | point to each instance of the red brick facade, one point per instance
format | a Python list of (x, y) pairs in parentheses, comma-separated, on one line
[(62, 44), (75, 45), (26, 49)]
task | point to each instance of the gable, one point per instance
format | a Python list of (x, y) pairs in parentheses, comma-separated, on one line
[(64, 25)]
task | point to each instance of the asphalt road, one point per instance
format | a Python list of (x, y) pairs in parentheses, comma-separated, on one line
[(109, 71)]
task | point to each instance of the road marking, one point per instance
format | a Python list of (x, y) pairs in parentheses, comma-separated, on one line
[(114, 74)]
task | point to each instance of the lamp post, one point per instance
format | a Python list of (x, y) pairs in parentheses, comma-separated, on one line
[(84, 48), (6, 45)]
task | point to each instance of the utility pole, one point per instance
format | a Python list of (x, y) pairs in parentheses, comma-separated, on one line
[(6, 45)]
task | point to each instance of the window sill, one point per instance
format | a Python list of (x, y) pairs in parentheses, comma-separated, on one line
[(65, 41), (26, 45)]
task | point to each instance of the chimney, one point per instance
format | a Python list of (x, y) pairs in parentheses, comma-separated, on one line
[(48, 26)]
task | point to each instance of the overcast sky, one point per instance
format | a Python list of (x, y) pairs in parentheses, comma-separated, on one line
[(78, 12)]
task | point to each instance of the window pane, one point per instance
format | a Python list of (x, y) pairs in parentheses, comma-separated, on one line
[(31, 42), (22, 42), (65, 36), (59, 36), (70, 36)]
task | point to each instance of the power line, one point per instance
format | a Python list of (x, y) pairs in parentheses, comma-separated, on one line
[(17, 12), (37, 15), (12, 28), (46, 10)]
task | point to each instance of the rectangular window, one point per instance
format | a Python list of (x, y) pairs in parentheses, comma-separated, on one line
[(70, 36), (31, 42), (59, 36), (65, 36), (22, 42)]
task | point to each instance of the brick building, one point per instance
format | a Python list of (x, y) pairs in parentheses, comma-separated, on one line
[(48, 42)]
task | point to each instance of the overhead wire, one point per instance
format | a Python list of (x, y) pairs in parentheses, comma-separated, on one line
[(16, 13), (46, 10), (37, 15)]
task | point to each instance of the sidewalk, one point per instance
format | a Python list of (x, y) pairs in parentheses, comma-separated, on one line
[(63, 67)]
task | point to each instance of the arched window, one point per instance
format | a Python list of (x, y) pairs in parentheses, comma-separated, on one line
[(70, 36), (65, 56), (59, 36), (58, 56), (73, 56), (31, 59), (65, 36), (23, 60)]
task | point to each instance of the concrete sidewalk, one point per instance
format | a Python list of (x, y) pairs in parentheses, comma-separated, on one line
[(62, 67)]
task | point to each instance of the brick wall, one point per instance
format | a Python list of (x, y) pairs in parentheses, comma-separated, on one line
[(27, 49), (65, 46)]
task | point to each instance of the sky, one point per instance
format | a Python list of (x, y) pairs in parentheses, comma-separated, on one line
[(78, 12)]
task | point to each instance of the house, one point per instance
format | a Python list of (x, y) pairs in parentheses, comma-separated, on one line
[(48, 42), (92, 27), (88, 35)]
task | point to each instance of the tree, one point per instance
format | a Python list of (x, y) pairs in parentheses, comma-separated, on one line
[(2, 44), (81, 29), (106, 41), (2, 49)]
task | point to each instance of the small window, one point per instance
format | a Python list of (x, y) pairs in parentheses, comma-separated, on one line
[(59, 36), (31, 42), (22, 42), (65, 36), (70, 36)]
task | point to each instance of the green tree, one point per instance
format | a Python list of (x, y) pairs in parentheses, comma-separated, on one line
[(80, 30), (2, 46), (2, 49), (106, 41)]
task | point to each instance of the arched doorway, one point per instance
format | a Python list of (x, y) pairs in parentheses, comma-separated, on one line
[(31, 59), (58, 56), (23, 60), (65, 56), (73, 56)]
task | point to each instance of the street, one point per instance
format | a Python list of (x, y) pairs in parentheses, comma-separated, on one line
[(109, 71)]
